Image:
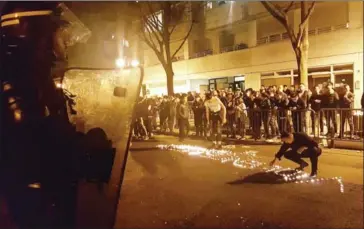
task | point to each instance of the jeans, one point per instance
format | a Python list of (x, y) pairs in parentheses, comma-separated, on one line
[(346, 115), (312, 153), (184, 127), (216, 124)]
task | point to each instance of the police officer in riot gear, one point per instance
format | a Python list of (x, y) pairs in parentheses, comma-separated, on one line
[(42, 155)]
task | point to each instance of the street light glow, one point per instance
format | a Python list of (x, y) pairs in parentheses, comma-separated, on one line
[(120, 63), (134, 63)]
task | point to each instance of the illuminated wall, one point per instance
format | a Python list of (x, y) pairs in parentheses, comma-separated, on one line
[(340, 46)]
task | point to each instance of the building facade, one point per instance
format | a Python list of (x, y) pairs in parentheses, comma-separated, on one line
[(239, 44)]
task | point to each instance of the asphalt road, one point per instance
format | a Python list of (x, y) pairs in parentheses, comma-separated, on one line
[(174, 189)]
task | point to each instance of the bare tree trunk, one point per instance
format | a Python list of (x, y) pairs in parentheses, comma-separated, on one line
[(303, 69), (304, 44), (170, 76)]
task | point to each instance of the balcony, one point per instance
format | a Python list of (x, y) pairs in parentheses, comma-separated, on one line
[(236, 47), (178, 58), (272, 38), (207, 52), (327, 29), (317, 31)]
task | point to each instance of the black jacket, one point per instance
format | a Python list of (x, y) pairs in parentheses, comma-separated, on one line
[(315, 106), (300, 140), (299, 104), (330, 100), (249, 103), (346, 100)]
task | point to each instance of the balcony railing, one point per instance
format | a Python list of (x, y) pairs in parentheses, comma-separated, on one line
[(234, 48), (178, 58), (312, 32), (201, 54), (327, 29), (272, 38)]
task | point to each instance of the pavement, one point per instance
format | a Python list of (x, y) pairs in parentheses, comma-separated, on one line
[(180, 187)]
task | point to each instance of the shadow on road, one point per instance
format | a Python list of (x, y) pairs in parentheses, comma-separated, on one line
[(151, 159), (263, 178)]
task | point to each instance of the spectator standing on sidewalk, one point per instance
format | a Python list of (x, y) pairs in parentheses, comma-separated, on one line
[(183, 113), (172, 113), (282, 114), (304, 95), (274, 114), (265, 107), (223, 98), (198, 108), (249, 103), (297, 105), (240, 117), (190, 100), (257, 115), (216, 117), (315, 105), (330, 99), (163, 114), (230, 109), (346, 102)]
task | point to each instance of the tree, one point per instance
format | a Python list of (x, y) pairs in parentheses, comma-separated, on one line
[(299, 41), (158, 23)]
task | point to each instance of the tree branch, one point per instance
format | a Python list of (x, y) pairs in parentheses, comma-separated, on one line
[(303, 24), (275, 12), (183, 41), (148, 19), (288, 8), (282, 18)]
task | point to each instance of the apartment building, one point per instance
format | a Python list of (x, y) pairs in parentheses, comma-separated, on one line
[(238, 44)]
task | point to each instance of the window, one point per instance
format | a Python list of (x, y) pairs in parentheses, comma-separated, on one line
[(154, 21)]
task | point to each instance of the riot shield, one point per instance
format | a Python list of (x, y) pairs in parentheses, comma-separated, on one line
[(104, 101)]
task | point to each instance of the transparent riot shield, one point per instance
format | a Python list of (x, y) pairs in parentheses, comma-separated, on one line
[(104, 101)]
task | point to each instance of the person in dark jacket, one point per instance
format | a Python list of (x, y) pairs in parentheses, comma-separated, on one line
[(249, 103), (330, 101), (163, 114), (183, 113), (230, 115), (282, 114), (273, 123), (346, 102), (297, 105), (198, 108), (299, 142), (266, 114), (315, 105), (257, 116)]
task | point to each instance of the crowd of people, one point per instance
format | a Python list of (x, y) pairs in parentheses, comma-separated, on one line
[(275, 108)]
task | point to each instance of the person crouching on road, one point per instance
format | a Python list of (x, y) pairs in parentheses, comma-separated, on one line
[(299, 142), (183, 113), (216, 116)]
